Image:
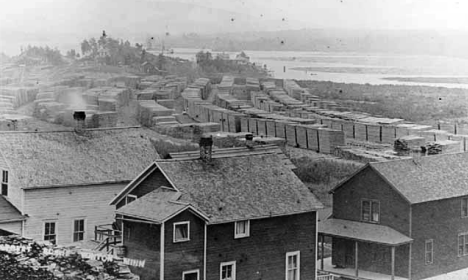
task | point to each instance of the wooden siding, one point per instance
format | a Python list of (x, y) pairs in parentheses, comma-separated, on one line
[(151, 183), (262, 255), (394, 209), (183, 256), (14, 190), (65, 204), (394, 213), (441, 221), (14, 227), (143, 244)]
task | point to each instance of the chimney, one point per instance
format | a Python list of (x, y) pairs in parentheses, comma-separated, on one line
[(206, 148), (79, 117), (249, 140)]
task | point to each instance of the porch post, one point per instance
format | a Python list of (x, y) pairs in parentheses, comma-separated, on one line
[(393, 262), (409, 261), (356, 253), (322, 238)]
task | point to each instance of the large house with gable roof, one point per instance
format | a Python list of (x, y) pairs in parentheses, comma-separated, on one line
[(404, 218), (237, 213), (55, 184)]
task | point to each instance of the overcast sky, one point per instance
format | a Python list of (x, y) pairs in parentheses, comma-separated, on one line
[(44, 20), (356, 14)]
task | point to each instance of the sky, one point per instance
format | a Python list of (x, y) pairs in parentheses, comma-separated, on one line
[(41, 20)]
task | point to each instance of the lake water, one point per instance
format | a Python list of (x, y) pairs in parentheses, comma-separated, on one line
[(353, 67)]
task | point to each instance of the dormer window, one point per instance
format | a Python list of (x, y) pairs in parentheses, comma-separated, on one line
[(5, 182), (242, 229)]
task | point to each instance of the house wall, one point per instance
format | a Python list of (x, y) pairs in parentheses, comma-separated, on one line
[(151, 183), (441, 221), (262, 255), (14, 189), (14, 227), (142, 241), (394, 213), (64, 204), (183, 256)]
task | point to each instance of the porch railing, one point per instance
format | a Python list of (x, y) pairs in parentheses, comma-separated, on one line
[(108, 237), (327, 276)]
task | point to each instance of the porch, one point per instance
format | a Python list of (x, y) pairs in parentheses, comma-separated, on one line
[(352, 263)]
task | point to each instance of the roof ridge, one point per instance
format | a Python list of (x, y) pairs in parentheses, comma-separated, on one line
[(64, 130)]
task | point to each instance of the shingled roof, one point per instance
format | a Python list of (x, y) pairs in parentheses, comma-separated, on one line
[(427, 178), (237, 187), (48, 159)]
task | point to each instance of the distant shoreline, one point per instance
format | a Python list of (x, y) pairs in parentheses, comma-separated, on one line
[(436, 80)]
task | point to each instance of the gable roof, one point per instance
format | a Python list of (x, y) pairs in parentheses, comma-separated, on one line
[(240, 187), (60, 158), (427, 178), (8, 212), (157, 206)]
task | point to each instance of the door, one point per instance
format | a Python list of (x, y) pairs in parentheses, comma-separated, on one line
[(349, 253)]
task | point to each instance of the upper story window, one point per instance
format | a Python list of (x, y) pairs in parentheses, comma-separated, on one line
[(4, 182), (370, 211), (181, 231), (429, 251), (463, 244), (129, 198), (464, 207), (293, 266), (242, 229)]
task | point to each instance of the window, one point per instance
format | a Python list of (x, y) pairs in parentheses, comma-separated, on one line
[(49, 232), (129, 198), (293, 266), (5, 182), (181, 231), (227, 271), (191, 275), (429, 251), (371, 211), (463, 244), (241, 229), (78, 230), (464, 207)]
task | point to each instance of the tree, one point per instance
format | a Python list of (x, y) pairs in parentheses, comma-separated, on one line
[(71, 53), (85, 47)]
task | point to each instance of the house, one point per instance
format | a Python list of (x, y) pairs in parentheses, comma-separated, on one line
[(55, 183), (404, 218), (238, 213), (242, 58)]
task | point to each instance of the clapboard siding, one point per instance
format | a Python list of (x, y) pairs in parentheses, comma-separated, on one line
[(183, 256), (14, 227), (142, 243), (262, 255), (65, 204), (14, 190)]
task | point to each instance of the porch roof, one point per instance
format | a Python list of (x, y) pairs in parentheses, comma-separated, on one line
[(373, 233)]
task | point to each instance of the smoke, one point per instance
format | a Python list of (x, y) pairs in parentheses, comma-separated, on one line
[(74, 100)]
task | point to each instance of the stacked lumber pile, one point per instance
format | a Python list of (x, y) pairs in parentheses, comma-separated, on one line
[(226, 84), (17, 96), (129, 81), (204, 85), (228, 101), (262, 101), (190, 131), (37, 262), (148, 109), (409, 143)]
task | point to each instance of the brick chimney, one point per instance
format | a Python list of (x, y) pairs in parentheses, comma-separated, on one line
[(79, 117), (249, 140), (206, 148)]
